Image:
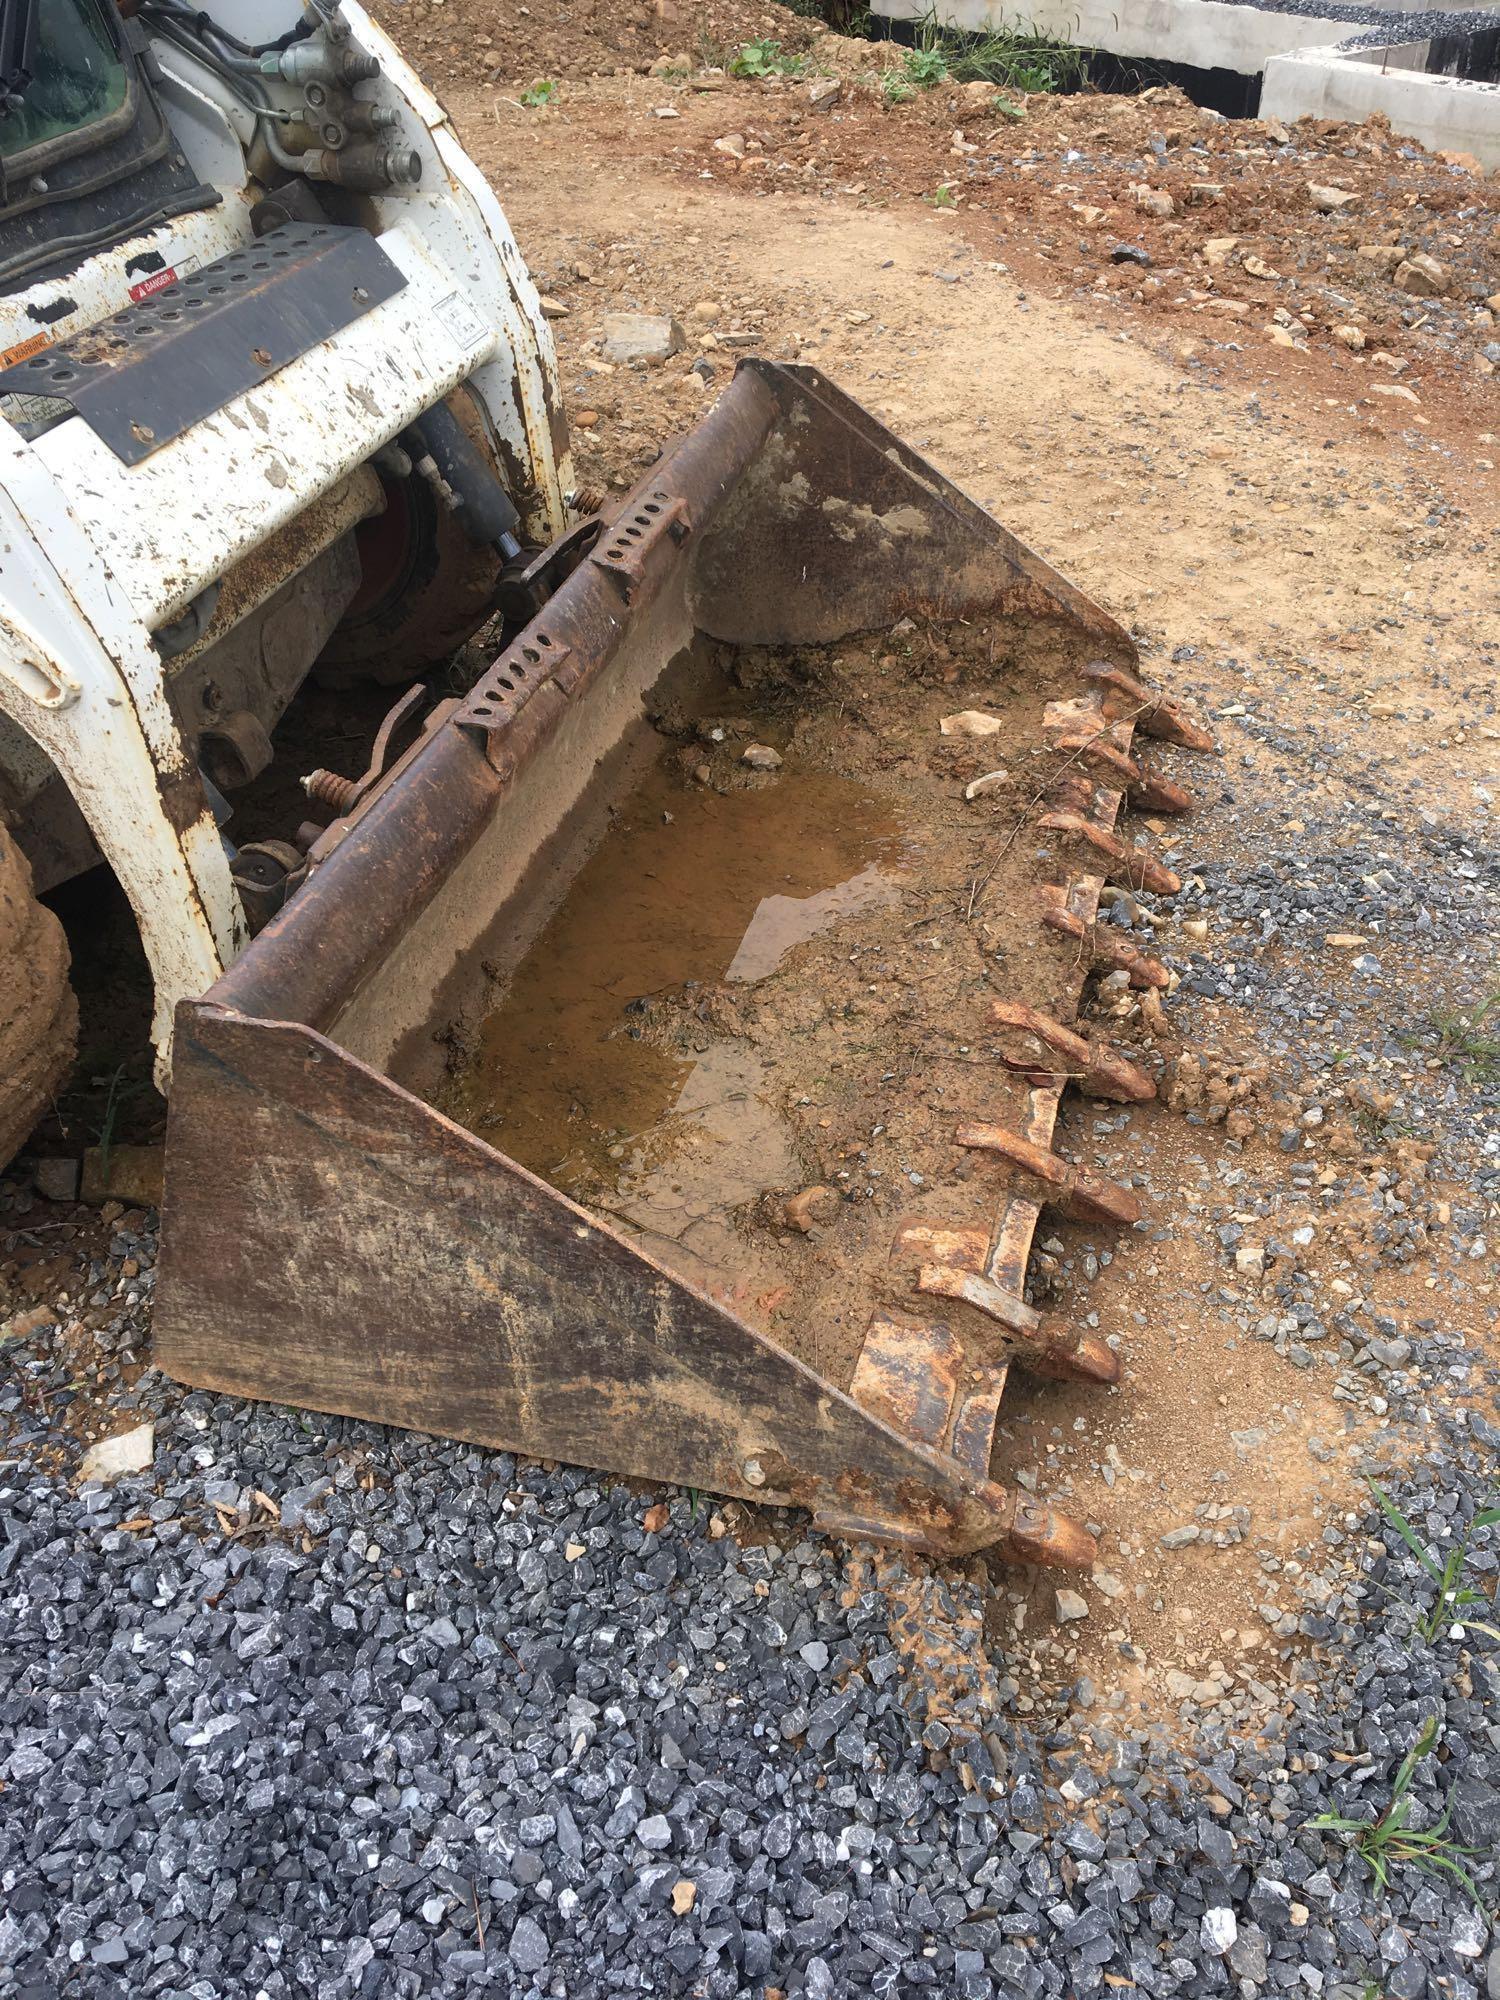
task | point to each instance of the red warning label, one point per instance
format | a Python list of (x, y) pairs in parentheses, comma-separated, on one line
[(157, 282)]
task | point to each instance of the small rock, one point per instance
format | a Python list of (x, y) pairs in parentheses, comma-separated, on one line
[(640, 337), (655, 1833), (1070, 1606), (814, 1208), (971, 722), (553, 308), (1379, 256), (1422, 276), (761, 757), (56, 1179), (1129, 253), (978, 788), (1155, 201), (529, 1949), (1181, 1538), (684, 1895), (1218, 1931), (825, 93), (1351, 337), (1250, 1260), (131, 1451), (732, 143), (1329, 200)]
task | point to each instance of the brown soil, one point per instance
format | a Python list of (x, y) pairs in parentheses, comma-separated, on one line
[(456, 42), (667, 1057)]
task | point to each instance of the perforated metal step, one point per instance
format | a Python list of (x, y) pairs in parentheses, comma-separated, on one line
[(149, 373)]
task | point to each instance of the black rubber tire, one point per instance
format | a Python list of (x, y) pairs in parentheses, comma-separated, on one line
[(38, 1010)]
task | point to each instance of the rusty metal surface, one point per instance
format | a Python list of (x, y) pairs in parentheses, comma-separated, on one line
[(371, 1258), (1096, 1069)]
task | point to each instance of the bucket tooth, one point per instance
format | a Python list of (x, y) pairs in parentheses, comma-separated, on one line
[(1071, 791), (1123, 863), (1104, 945), (1121, 695), (1148, 789), (973, 1438), (1066, 1355), (975, 1289), (1087, 1196), (1042, 1346), (1096, 1070), (1039, 1534)]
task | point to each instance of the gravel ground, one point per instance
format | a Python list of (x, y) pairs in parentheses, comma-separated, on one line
[(313, 1708)]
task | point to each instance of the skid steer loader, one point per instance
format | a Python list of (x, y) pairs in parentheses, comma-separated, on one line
[(279, 400)]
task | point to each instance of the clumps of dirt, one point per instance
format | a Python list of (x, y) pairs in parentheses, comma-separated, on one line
[(1346, 241), (503, 41)]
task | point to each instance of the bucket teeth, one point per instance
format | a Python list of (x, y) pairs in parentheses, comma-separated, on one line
[(972, 1441), (1096, 1070), (1065, 1355), (1087, 1196), (1148, 789), (1121, 695), (975, 1289), (1039, 1534), (1041, 1345), (1122, 863), (1104, 945)]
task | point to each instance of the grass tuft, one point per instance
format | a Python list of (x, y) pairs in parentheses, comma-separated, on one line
[(1453, 1595), (1019, 57), (1388, 1843)]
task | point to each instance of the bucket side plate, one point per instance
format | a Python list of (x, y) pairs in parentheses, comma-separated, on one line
[(338, 1245)]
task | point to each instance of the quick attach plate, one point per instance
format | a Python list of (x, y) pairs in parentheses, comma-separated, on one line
[(146, 375)]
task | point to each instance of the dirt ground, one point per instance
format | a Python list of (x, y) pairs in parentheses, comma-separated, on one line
[(1299, 530), (1290, 542)]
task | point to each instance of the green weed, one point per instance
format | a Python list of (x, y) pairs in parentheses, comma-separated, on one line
[(943, 197), (765, 57), (539, 94), (1014, 58), (1453, 1596), (1388, 1843)]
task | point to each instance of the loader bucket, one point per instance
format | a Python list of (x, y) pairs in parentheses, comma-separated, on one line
[(336, 1236)]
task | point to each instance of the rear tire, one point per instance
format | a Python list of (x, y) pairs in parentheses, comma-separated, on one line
[(38, 1011)]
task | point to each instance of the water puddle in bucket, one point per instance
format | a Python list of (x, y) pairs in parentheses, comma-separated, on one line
[(691, 884)]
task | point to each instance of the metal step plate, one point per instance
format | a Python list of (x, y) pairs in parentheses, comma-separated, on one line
[(146, 375)]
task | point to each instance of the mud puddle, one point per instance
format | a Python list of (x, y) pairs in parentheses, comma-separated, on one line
[(694, 886)]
